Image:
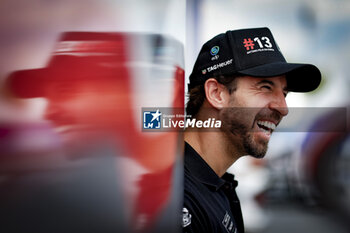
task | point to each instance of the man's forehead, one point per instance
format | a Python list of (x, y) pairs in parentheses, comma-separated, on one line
[(60, 87), (79, 82)]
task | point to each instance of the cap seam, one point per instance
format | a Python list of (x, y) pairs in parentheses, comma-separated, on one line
[(230, 36)]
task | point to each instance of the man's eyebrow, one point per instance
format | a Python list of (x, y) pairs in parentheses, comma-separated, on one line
[(271, 83), (266, 81)]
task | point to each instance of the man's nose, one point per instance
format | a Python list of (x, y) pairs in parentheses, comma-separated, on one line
[(279, 104)]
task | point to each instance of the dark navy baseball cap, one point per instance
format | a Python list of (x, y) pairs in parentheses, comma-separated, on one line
[(251, 52)]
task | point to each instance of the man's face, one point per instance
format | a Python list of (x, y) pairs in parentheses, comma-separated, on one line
[(84, 108), (253, 112)]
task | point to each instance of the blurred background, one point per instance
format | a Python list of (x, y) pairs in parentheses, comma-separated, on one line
[(302, 185), (74, 78)]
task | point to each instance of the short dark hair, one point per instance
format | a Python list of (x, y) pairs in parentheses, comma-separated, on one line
[(197, 95)]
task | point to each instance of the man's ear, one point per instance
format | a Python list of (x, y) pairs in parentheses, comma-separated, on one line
[(217, 94)]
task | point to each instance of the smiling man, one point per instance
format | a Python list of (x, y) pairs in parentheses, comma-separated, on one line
[(241, 78)]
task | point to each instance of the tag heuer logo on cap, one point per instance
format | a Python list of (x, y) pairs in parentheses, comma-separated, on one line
[(204, 71)]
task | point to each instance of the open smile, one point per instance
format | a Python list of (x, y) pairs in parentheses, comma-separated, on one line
[(266, 126)]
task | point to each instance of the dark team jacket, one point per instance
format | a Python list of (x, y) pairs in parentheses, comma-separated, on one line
[(210, 202)]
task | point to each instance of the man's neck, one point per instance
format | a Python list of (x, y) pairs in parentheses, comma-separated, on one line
[(214, 148)]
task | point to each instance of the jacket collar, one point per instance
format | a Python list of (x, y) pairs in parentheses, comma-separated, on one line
[(196, 165)]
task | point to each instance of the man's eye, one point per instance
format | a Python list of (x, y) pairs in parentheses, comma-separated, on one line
[(266, 87)]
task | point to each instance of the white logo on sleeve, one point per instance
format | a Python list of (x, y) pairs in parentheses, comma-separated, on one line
[(186, 217)]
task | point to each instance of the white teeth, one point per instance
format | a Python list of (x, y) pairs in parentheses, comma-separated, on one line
[(267, 124), (266, 131)]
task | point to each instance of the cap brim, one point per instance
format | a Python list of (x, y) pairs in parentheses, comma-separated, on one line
[(34, 82), (28, 83), (300, 77)]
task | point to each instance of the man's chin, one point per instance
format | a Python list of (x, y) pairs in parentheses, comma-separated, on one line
[(256, 145)]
